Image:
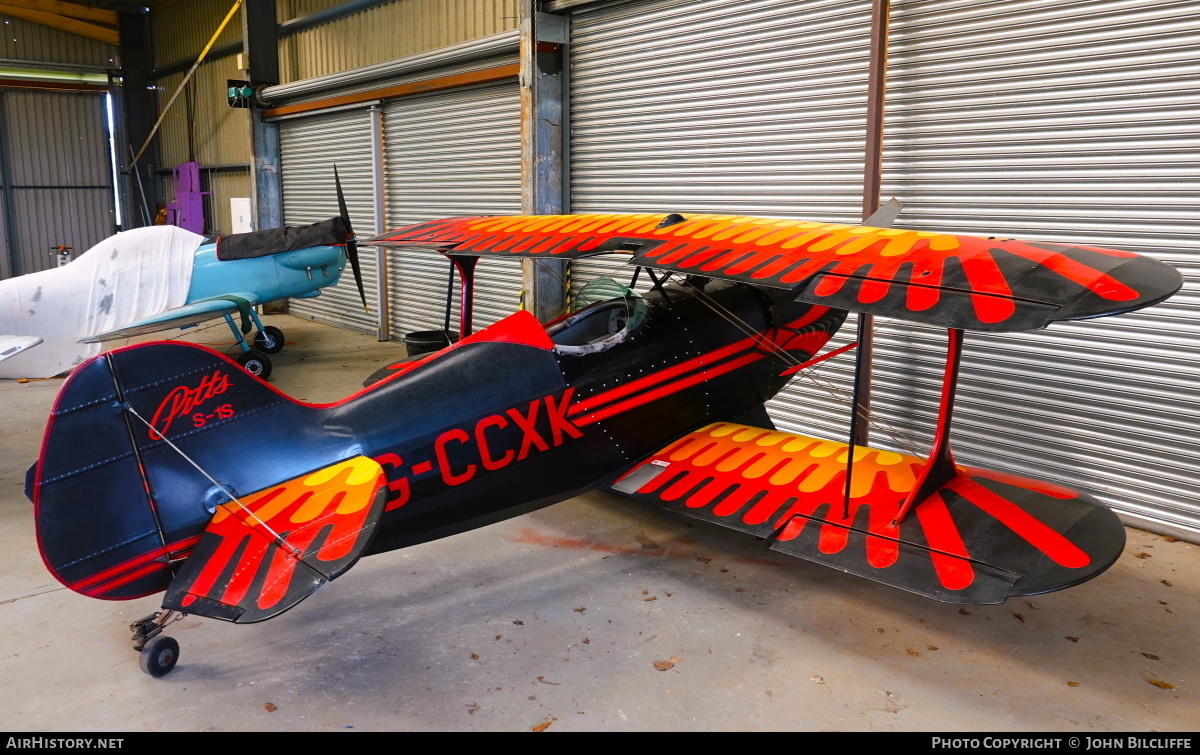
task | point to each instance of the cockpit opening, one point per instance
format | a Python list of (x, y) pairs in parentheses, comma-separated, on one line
[(604, 314)]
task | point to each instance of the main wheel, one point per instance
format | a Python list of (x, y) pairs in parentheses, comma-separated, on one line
[(269, 340), (256, 363), (159, 656)]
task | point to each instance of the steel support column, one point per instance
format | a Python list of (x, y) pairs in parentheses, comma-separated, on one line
[(543, 43), (136, 112), (382, 289), (261, 46), (872, 177)]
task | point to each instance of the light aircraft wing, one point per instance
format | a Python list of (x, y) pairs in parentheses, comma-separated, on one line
[(980, 538), (260, 557), (10, 346), (180, 317), (954, 281)]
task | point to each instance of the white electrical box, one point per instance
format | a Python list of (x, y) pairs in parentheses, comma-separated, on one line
[(243, 220)]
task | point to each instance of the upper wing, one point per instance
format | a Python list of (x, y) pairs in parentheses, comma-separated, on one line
[(180, 317), (980, 538), (948, 280), (10, 346)]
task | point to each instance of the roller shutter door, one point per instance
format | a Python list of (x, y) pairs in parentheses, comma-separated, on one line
[(1061, 121), (309, 148), (316, 140), (738, 108), (449, 153), (54, 146)]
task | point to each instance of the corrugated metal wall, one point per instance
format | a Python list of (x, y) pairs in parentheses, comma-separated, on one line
[(1069, 121), (56, 152), (394, 30), (25, 40), (219, 133), (1066, 121), (182, 28), (703, 106), (221, 185), (310, 146), (456, 152)]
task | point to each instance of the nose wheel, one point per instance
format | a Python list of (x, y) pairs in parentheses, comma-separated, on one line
[(269, 340), (158, 653)]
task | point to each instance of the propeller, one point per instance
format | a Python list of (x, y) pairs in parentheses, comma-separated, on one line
[(351, 239)]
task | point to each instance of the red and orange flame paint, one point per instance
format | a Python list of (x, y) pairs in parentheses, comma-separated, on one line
[(802, 484), (785, 253), (337, 498)]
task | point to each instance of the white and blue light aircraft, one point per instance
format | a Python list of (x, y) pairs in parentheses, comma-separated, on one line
[(162, 277)]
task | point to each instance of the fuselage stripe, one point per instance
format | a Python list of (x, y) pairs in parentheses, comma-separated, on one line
[(666, 390), (665, 374), (114, 572), (757, 340)]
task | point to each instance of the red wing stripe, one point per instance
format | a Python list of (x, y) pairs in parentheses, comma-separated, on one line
[(1037, 533)]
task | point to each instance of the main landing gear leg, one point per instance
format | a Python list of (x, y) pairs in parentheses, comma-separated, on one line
[(268, 339), (253, 361), (158, 653)]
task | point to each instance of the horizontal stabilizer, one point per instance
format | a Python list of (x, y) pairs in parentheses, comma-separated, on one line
[(980, 538), (951, 280), (260, 557), (10, 346)]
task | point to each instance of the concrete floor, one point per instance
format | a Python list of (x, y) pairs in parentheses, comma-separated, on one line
[(558, 617)]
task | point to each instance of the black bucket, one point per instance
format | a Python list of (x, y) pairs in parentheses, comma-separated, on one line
[(426, 341)]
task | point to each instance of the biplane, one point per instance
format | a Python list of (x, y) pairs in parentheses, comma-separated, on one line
[(143, 484), (162, 277)]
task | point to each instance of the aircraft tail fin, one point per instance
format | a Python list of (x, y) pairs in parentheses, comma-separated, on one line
[(142, 448)]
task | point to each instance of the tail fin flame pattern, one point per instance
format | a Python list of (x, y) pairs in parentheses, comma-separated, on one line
[(265, 554)]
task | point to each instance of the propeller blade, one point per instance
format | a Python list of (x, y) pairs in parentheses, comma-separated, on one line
[(351, 239)]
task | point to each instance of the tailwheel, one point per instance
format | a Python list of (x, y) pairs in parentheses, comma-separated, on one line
[(269, 340), (256, 363), (158, 653), (159, 656)]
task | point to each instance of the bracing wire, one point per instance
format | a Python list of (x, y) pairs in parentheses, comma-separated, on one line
[(156, 434), (836, 393)]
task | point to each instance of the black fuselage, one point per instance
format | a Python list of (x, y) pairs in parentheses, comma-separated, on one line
[(494, 429)]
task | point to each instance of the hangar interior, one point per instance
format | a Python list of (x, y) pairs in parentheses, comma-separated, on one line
[(1064, 121)]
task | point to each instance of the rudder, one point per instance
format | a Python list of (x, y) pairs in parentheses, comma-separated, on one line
[(116, 505)]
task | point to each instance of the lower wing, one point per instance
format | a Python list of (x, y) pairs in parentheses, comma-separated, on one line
[(10, 346), (980, 538), (180, 317)]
